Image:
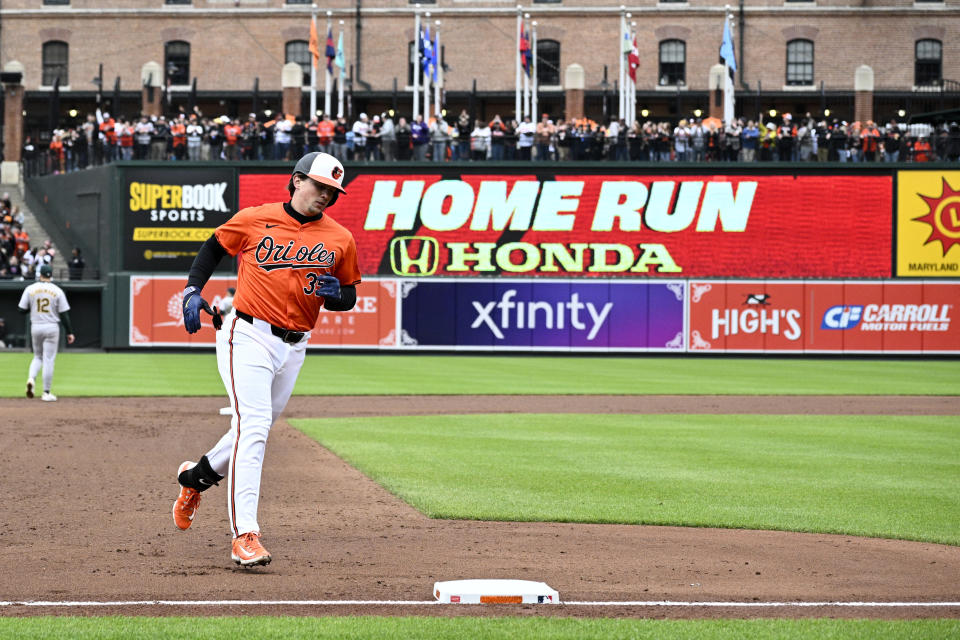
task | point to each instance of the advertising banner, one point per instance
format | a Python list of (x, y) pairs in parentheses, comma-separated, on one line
[(562, 224), (168, 213), (928, 223), (528, 314), (156, 311), (824, 317), (369, 325), (156, 315)]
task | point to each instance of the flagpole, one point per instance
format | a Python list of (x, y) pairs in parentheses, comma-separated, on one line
[(416, 61), (342, 72), (436, 56), (313, 61), (729, 102), (632, 110), (729, 59), (623, 33), (533, 98), (327, 74), (516, 100), (426, 73), (526, 77)]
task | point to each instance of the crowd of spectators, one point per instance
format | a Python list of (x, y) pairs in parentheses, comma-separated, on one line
[(102, 139), (19, 260)]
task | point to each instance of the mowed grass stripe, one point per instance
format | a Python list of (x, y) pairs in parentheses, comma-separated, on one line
[(195, 374), (465, 628), (878, 476)]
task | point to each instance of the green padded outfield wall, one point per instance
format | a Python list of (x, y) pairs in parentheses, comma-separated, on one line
[(529, 220)]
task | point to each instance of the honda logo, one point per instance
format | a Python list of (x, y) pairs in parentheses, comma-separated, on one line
[(421, 253)]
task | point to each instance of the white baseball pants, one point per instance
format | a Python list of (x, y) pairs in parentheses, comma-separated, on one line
[(46, 342), (259, 370)]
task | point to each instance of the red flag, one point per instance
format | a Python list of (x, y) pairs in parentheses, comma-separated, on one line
[(314, 42), (633, 58), (331, 51), (525, 59)]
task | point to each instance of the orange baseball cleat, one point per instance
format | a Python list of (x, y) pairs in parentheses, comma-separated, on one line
[(185, 508), (248, 552)]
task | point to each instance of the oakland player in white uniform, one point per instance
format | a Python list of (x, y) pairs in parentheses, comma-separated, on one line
[(48, 307)]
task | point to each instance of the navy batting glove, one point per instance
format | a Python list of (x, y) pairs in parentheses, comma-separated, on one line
[(329, 287), (193, 302)]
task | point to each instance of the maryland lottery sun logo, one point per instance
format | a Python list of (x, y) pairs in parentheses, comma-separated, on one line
[(943, 216)]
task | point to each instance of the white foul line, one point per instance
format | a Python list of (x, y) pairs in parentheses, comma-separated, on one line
[(311, 603)]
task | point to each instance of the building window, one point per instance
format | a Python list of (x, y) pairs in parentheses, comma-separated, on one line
[(46, 2), (178, 1), (56, 56), (299, 51), (928, 68), (673, 62), (548, 62), (177, 62), (412, 61), (299, 1), (800, 62)]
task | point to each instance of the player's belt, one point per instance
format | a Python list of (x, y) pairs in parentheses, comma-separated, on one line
[(288, 336)]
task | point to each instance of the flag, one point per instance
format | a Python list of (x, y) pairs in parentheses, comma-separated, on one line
[(727, 54), (331, 53), (729, 59), (526, 61), (339, 60), (314, 42), (633, 58), (625, 46), (426, 51)]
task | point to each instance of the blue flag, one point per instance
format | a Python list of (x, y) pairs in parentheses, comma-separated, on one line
[(727, 54), (426, 49)]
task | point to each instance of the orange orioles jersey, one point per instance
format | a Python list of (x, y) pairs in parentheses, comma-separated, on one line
[(280, 261)]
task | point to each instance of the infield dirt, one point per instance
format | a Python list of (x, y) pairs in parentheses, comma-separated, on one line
[(89, 485)]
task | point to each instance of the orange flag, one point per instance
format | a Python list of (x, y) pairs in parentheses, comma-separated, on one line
[(314, 42)]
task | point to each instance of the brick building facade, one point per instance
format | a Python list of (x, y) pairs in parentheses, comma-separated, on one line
[(230, 46)]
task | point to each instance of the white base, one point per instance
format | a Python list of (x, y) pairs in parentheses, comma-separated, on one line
[(226, 411), (495, 592), (9, 172)]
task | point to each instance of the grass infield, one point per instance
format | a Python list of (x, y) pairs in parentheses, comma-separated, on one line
[(195, 374), (507, 628), (877, 476)]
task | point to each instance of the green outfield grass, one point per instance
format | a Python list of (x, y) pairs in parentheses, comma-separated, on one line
[(878, 476), (195, 374), (363, 628)]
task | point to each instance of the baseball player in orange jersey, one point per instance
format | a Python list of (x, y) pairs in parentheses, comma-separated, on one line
[(293, 259)]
